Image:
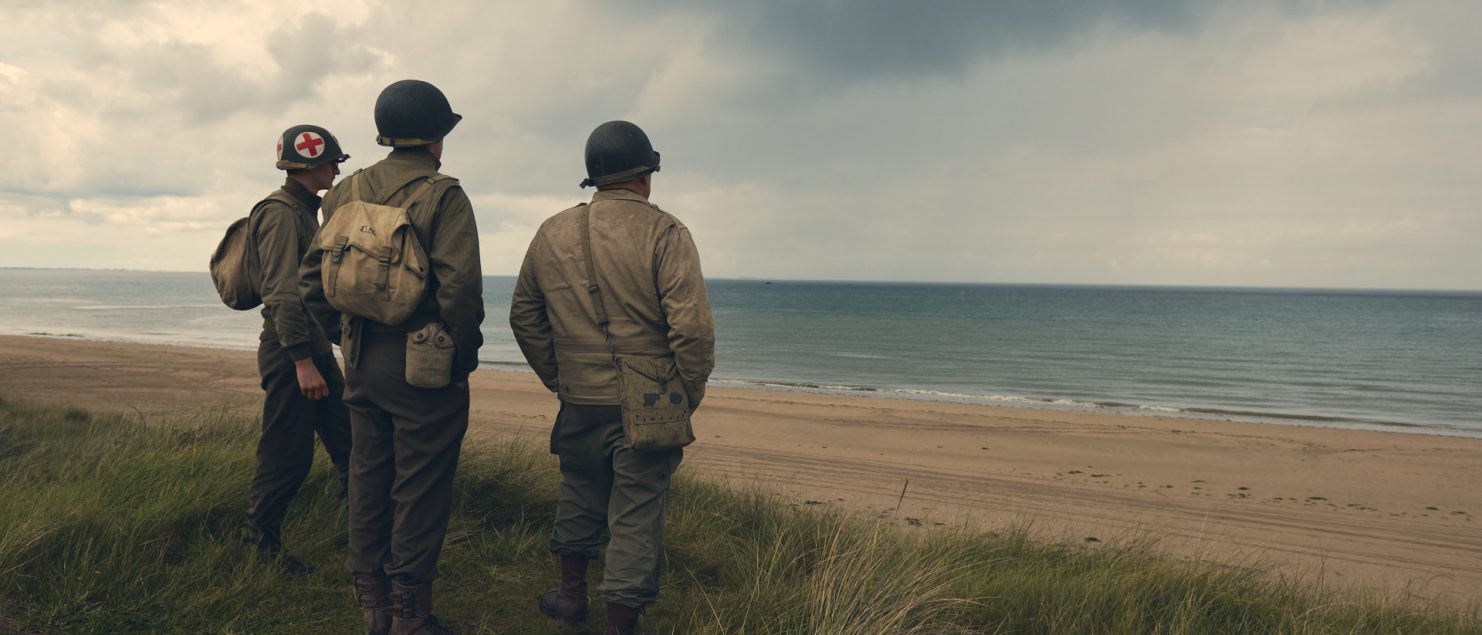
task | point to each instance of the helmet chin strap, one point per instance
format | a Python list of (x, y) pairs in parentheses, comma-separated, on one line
[(402, 142), (618, 177)]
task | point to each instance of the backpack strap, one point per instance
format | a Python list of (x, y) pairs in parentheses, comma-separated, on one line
[(427, 182), (422, 189), (416, 195), (278, 195), (254, 260), (355, 193)]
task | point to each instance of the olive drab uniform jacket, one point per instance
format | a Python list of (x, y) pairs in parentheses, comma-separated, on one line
[(649, 273), (283, 229), (449, 235)]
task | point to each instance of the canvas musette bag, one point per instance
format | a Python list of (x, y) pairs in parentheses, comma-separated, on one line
[(656, 408)]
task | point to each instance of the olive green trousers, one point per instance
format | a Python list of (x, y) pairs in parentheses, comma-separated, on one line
[(405, 451), (605, 486), (285, 450)]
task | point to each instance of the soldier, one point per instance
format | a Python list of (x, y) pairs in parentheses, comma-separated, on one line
[(406, 438), (647, 274), (300, 376)]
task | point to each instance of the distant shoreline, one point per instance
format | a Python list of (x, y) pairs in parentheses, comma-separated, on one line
[(947, 283)]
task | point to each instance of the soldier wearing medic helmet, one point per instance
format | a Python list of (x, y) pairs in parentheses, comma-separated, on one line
[(300, 378), (646, 299), (307, 147), (407, 439)]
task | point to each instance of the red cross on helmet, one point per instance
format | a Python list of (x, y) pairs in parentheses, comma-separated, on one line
[(302, 147)]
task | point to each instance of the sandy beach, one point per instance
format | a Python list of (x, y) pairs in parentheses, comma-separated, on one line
[(1376, 510)]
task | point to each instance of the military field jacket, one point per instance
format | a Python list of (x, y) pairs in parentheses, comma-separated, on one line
[(283, 227), (648, 270), (448, 233)]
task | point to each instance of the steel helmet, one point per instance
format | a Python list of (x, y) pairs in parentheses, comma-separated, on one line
[(412, 112), (618, 151), (302, 147)]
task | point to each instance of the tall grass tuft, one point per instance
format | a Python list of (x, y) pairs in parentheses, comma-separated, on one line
[(113, 524)]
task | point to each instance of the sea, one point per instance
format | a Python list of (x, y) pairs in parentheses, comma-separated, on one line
[(1406, 361)]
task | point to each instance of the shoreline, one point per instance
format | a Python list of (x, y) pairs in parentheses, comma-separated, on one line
[(1105, 407), (1371, 510), (1117, 408)]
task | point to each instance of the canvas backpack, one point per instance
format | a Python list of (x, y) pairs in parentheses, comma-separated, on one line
[(374, 265), (231, 266)]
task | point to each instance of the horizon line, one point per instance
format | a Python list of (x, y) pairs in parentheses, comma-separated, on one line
[(1232, 287)]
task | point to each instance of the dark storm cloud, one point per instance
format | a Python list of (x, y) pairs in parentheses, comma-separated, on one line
[(852, 39), (885, 37)]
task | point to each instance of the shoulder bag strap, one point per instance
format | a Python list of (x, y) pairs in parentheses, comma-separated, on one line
[(592, 288)]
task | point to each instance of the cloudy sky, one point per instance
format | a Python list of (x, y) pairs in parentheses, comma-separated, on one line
[(1213, 143)]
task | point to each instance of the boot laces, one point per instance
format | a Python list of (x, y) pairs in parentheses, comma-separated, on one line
[(406, 605)]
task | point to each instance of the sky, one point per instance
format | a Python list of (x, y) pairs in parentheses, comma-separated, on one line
[(1240, 143)]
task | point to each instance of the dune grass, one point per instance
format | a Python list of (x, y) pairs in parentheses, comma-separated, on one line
[(113, 524)]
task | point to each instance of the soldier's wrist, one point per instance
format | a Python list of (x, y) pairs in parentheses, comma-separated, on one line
[(299, 352)]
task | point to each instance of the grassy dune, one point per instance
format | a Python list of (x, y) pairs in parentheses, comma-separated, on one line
[(112, 524)]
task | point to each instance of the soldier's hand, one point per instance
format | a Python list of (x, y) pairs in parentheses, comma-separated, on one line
[(310, 382), (696, 393)]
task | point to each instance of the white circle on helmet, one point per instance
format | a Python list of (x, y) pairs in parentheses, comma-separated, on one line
[(308, 145)]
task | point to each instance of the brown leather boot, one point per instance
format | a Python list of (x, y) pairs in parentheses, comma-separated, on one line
[(568, 602), (373, 593), (411, 610), (621, 620)]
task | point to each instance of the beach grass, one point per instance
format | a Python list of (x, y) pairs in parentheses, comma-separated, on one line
[(125, 524)]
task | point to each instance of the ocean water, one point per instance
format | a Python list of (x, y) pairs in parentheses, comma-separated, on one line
[(1402, 360)]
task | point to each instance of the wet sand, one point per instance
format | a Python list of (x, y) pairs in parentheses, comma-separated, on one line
[(1374, 510)]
